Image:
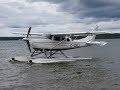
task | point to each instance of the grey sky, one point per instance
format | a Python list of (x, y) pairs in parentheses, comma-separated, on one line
[(58, 15), (109, 9)]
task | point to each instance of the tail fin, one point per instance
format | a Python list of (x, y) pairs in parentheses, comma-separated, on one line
[(91, 37)]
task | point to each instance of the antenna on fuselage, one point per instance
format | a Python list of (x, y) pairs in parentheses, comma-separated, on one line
[(96, 28)]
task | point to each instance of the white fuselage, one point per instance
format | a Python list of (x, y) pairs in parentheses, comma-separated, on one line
[(59, 45), (50, 44)]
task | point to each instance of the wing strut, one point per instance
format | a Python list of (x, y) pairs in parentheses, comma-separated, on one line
[(45, 52)]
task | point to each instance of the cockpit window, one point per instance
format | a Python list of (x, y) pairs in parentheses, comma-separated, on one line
[(58, 38)]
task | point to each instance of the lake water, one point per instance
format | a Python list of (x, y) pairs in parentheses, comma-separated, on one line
[(102, 72)]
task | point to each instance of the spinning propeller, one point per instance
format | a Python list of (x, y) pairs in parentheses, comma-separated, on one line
[(27, 40)]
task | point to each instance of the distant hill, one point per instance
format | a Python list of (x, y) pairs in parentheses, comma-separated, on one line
[(103, 36), (108, 36), (10, 38)]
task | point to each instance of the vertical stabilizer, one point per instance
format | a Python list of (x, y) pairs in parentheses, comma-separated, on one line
[(90, 37)]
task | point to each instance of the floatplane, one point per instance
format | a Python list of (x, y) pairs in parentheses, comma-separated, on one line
[(53, 43)]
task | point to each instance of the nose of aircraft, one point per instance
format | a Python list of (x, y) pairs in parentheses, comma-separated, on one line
[(25, 39)]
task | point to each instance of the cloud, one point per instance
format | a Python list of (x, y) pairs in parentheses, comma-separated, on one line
[(107, 9), (23, 14), (17, 14), (105, 13), (58, 15)]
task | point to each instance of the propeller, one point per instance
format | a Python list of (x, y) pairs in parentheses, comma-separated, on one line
[(28, 44), (27, 40), (28, 32)]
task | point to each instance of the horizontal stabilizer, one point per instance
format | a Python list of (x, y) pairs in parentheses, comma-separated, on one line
[(84, 33), (101, 43)]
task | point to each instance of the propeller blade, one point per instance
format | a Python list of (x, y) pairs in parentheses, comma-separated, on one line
[(28, 32), (27, 39), (28, 44)]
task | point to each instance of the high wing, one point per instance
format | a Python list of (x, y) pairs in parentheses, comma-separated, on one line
[(71, 33), (34, 34), (93, 32), (84, 33)]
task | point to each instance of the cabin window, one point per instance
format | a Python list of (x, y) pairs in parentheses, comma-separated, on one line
[(57, 38)]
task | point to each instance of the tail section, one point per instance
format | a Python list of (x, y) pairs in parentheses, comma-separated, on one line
[(91, 37)]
